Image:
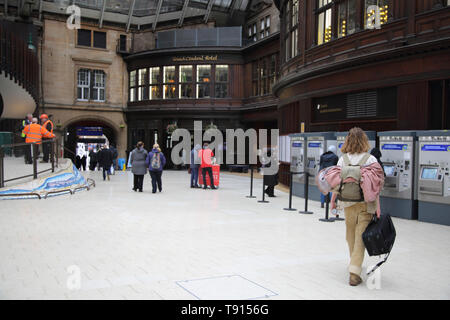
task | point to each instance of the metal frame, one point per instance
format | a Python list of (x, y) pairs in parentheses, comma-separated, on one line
[(130, 14), (183, 13), (208, 11), (102, 13), (158, 10)]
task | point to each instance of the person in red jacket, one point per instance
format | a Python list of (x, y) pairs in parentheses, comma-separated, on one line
[(205, 155)]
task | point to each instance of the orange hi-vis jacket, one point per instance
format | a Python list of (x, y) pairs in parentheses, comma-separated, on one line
[(35, 132), (46, 123)]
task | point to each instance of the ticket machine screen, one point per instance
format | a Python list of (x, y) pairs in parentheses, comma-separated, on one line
[(311, 163), (389, 170), (429, 173)]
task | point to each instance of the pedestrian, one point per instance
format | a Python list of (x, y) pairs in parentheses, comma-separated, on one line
[(139, 168), (194, 166), (92, 159), (205, 156), (46, 146), (269, 180), (327, 159), (115, 155), (28, 120), (105, 160), (355, 153), (155, 161), (377, 154), (34, 133)]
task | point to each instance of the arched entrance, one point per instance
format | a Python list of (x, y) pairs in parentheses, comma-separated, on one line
[(71, 138)]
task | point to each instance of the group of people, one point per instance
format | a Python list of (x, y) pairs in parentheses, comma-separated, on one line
[(202, 159), (141, 160), (34, 133)]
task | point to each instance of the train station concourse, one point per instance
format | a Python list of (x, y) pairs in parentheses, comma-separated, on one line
[(225, 150)]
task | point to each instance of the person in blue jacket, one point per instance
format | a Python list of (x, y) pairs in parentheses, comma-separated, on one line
[(156, 162), (195, 165)]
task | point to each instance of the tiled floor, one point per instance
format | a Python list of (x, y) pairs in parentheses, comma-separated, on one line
[(129, 245)]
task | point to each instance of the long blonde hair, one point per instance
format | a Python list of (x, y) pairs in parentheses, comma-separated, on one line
[(356, 142), (156, 146)]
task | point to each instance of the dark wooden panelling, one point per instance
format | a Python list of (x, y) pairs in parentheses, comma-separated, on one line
[(413, 106)]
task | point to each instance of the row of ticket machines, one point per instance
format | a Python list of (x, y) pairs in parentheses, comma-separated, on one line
[(416, 164)]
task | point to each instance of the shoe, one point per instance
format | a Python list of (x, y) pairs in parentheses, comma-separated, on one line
[(153, 191), (321, 205), (160, 190), (354, 279), (204, 188), (192, 186), (134, 189), (213, 188), (140, 191), (271, 196), (196, 186)]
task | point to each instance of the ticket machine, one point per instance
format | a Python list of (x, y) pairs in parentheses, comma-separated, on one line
[(316, 144), (298, 152), (399, 157), (340, 138), (434, 176)]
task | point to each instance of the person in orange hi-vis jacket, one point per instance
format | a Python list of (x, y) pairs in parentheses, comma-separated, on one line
[(46, 147), (34, 133)]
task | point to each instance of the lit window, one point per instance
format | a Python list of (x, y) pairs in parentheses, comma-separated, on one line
[(186, 88), (346, 18), (371, 13), (203, 81), (155, 92), (169, 86), (324, 29), (221, 84), (143, 85)]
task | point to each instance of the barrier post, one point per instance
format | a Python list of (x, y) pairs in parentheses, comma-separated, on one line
[(291, 175), (52, 154), (251, 184), (327, 208), (35, 156), (2, 176), (263, 193), (306, 194)]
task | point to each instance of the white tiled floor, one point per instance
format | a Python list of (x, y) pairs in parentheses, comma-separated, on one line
[(142, 246)]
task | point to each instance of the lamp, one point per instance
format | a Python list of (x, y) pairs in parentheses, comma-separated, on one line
[(30, 43)]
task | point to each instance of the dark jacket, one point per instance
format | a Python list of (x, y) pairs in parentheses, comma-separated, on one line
[(93, 156), (137, 160), (150, 155), (328, 159), (113, 152), (104, 158), (377, 154)]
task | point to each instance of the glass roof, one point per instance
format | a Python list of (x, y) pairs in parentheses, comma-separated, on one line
[(148, 7)]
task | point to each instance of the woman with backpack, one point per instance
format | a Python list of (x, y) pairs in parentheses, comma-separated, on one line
[(138, 166), (156, 162), (357, 217)]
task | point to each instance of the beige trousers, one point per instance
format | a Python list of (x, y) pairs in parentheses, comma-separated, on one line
[(356, 221)]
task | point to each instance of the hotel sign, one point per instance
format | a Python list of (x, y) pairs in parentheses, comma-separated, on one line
[(195, 58)]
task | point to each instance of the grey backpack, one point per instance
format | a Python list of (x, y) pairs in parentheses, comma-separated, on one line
[(351, 191)]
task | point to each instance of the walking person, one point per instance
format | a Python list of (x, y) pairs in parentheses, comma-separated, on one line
[(355, 153), (270, 180), (195, 165), (115, 155), (92, 159), (139, 167), (205, 156), (105, 161), (327, 159), (155, 161)]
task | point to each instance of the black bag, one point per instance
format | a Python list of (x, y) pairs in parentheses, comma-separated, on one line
[(379, 237)]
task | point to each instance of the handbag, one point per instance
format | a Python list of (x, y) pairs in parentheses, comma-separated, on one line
[(379, 238)]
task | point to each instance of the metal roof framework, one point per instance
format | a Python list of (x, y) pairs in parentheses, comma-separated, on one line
[(146, 12)]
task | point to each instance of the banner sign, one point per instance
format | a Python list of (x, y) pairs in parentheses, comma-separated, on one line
[(314, 145), (394, 146), (436, 147), (89, 131), (297, 144)]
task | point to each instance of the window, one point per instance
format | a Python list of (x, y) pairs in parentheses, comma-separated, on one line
[(155, 92), (291, 29), (98, 89), (255, 86), (324, 29), (91, 85), (90, 38), (83, 84), (272, 71), (268, 25), (169, 86), (346, 18), (263, 78), (265, 27), (186, 89), (132, 86), (203, 81), (370, 14), (252, 32), (221, 85), (143, 85)]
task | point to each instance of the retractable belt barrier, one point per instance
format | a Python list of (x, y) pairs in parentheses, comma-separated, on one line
[(251, 184)]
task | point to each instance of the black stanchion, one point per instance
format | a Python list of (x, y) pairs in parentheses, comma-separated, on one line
[(306, 195), (251, 184), (327, 208), (263, 193), (290, 194)]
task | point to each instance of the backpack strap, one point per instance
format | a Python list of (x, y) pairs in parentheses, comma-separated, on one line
[(364, 159), (346, 159)]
